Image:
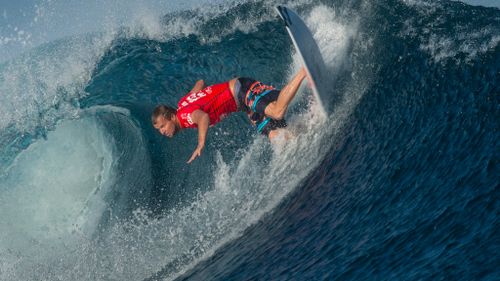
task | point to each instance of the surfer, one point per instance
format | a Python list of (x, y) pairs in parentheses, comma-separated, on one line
[(205, 106)]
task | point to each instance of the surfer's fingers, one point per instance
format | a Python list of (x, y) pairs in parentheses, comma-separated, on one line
[(196, 153), (192, 157)]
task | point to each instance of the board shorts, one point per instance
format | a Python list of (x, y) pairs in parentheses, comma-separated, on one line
[(253, 97)]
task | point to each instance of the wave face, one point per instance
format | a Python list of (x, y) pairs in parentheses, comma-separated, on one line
[(401, 182)]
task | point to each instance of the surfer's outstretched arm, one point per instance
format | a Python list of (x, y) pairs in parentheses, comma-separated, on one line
[(277, 109), (202, 119)]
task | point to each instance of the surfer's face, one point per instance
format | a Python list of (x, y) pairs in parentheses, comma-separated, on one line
[(165, 126)]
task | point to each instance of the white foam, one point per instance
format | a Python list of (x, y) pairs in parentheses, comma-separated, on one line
[(333, 36), (55, 188), (41, 87), (485, 3), (442, 46), (55, 19)]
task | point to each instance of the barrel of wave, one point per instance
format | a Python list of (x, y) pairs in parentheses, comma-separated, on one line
[(58, 190)]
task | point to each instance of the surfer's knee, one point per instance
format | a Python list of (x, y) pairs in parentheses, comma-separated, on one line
[(279, 114)]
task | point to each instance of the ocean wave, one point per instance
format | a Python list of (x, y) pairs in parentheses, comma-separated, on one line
[(90, 191)]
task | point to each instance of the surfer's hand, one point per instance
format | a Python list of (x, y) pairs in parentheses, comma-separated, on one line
[(196, 153)]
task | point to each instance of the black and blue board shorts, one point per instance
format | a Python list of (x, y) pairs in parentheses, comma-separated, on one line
[(253, 97)]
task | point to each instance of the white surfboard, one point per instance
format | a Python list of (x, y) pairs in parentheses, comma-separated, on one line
[(308, 50)]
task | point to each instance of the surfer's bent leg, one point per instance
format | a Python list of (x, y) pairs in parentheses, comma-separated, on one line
[(262, 103), (276, 110)]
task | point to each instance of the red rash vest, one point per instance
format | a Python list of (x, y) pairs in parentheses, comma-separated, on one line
[(216, 100)]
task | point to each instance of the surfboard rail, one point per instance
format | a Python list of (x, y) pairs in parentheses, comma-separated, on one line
[(310, 55)]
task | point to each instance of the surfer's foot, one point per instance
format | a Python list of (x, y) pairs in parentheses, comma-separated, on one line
[(280, 134)]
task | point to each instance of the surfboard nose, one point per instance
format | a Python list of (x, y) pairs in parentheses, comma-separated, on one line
[(310, 55), (283, 13)]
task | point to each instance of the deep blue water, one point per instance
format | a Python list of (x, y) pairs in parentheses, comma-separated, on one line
[(400, 183)]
